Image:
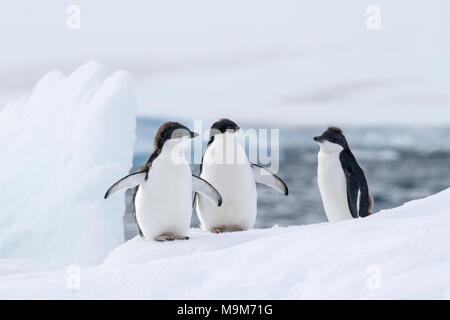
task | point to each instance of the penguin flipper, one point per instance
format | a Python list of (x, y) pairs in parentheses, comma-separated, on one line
[(356, 184), (130, 181), (205, 188), (199, 173), (352, 193), (194, 199), (264, 176)]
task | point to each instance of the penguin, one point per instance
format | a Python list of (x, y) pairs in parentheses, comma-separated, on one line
[(163, 186), (342, 182), (226, 166)]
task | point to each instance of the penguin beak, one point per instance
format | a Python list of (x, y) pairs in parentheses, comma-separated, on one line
[(194, 134), (318, 139)]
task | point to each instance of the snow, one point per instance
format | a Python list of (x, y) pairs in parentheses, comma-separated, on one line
[(397, 253), (61, 147)]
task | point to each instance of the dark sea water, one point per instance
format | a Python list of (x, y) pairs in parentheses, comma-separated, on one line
[(401, 164)]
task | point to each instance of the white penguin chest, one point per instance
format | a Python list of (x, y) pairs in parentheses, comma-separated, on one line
[(333, 186), (164, 202), (234, 180)]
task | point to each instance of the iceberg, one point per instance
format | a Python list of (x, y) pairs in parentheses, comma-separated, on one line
[(61, 147)]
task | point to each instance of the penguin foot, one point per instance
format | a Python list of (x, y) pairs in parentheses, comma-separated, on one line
[(180, 238), (231, 228), (171, 238), (164, 238), (217, 230), (235, 228)]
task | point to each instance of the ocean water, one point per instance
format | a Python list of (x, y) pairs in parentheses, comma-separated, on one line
[(401, 164)]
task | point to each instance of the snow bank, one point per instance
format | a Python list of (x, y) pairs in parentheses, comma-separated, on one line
[(398, 253), (61, 147)]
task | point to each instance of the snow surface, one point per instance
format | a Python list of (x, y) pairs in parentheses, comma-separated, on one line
[(61, 147), (406, 250)]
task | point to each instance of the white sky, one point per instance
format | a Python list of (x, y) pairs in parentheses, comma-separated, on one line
[(282, 61)]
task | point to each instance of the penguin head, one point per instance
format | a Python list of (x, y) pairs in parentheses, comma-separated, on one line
[(223, 126), (332, 140), (172, 133)]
